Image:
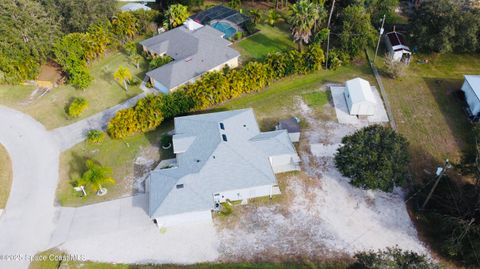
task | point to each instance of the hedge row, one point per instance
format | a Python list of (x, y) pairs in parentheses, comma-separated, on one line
[(213, 88)]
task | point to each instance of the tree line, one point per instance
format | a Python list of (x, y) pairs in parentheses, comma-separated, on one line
[(213, 88)]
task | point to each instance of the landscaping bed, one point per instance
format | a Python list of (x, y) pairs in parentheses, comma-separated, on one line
[(49, 107)]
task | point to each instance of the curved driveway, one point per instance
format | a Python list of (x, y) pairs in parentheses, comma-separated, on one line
[(27, 223)]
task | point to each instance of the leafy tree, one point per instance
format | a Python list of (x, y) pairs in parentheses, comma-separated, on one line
[(374, 157), (136, 60), (99, 37), (77, 16), (130, 48), (123, 75), (27, 32), (77, 106), (176, 15), (392, 258), (272, 17), (357, 31), (378, 8), (255, 15), (303, 17), (147, 21), (394, 68), (123, 124), (235, 4), (95, 137), (79, 75), (95, 177)]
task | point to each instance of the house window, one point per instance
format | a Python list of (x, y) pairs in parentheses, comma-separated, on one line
[(222, 126), (224, 137), (179, 186)]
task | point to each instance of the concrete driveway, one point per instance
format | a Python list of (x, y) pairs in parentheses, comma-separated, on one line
[(27, 222)]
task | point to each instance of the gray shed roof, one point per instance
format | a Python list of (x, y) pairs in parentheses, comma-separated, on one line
[(210, 165), (193, 52)]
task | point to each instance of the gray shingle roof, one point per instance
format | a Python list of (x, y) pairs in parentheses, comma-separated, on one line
[(210, 165), (194, 53)]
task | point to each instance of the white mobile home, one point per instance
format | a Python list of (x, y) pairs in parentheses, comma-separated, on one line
[(359, 97), (471, 88)]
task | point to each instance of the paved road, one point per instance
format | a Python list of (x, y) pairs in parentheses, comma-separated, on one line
[(70, 135), (27, 222)]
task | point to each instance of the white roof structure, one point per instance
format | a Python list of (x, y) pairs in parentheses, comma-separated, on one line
[(215, 152), (359, 96), (134, 7), (474, 81)]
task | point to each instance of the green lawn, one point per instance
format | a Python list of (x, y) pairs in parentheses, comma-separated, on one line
[(279, 99), (103, 93), (119, 155), (93, 265), (315, 99), (5, 176), (428, 110), (269, 39)]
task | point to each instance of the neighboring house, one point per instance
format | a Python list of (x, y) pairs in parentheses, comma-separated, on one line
[(471, 88), (219, 156), (292, 126), (359, 97), (134, 7), (195, 49), (397, 48)]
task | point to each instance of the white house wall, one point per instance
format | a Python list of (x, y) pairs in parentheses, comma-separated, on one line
[(184, 218), (471, 98), (159, 86), (294, 137), (241, 194)]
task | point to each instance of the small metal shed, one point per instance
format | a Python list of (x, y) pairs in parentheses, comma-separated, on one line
[(359, 97)]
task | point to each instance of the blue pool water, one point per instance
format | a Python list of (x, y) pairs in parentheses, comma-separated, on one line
[(226, 28)]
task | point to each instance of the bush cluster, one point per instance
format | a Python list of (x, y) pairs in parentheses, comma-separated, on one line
[(77, 106), (95, 137), (213, 88)]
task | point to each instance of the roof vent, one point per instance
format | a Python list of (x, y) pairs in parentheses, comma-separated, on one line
[(179, 186), (197, 160), (222, 126), (224, 137)]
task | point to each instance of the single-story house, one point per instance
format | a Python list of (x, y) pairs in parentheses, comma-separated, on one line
[(219, 156), (134, 7), (195, 49), (359, 97), (397, 47), (471, 88), (292, 126)]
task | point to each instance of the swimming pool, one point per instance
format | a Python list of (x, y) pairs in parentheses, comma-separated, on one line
[(226, 28)]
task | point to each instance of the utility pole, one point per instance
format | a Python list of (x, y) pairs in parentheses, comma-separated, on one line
[(439, 176), (328, 38), (379, 38)]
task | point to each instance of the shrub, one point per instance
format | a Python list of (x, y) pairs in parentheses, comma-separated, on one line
[(392, 258), (156, 62), (77, 106), (374, 157), (95, 137), (395, 69)]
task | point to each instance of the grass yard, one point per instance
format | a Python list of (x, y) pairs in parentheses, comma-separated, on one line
[(268, 40), (120, 155), (94, 265), (428, 110), (49, 109), (5, 176), (279, 99)]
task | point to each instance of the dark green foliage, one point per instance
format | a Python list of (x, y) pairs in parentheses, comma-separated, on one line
[(79, 75), (95, 137), (158, 61), (445, 26), (213, 88), (357, 32), (374, 157), (77, 16), (27, 32), (76, 107), (378, 8), (392, 258), (337, 58)]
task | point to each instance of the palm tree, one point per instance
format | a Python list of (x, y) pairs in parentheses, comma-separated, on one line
[(303, 16), (176, 15), (255, 15), (95, 177), (123, 75), (272, 17), (136, 59)]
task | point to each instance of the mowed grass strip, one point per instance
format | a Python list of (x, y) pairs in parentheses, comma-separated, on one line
[(5, 176), (269, 39), (104, 92)]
